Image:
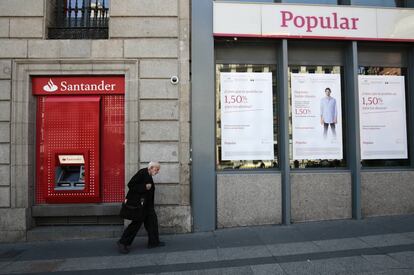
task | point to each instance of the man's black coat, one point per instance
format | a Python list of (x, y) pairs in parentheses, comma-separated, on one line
[(137, 189)]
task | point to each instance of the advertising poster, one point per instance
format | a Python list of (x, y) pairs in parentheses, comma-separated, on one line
[(316, 116), (382, 117), (246, 116)]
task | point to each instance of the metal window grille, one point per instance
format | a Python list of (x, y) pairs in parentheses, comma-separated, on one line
[(80, 19)]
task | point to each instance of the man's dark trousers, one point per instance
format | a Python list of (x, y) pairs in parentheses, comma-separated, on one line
[(325, 129), (150, 224)]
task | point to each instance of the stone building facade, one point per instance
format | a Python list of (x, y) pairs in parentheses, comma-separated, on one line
[(148, 43)]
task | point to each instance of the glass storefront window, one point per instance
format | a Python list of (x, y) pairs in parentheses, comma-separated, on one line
[(326, 2), (383, 116), (316, 119), (368, 3), (252, 1), (379, 3), (248, 101)]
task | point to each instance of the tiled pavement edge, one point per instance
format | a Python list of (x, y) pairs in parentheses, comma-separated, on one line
[(383, 245)]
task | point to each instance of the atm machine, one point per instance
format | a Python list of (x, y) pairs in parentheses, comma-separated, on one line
[(79, 139)]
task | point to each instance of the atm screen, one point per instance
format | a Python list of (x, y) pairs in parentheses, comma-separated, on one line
[(70, 177), (70, 174)]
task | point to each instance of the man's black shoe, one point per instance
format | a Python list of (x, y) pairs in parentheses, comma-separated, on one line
[(156, 245), (122, 248)]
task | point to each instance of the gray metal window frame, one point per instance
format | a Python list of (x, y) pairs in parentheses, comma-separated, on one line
[(403, 3), (203, 173)]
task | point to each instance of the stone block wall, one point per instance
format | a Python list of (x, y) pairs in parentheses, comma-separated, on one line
[(387, 193), (12, 229), (248, 199), (320, 196), (152, 33)]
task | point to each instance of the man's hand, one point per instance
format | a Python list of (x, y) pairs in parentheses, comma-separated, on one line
[(148, 186)]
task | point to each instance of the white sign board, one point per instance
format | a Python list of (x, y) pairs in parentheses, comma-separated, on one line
[(246, 116), (382, 117), (316, 116), (71, 159), (313, 21)]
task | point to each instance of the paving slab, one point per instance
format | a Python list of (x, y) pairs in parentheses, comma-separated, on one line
[(237, 237), (355, 264), (323, 231), (32, 267), (299, 268), (266, 269), (215, 271), (406, 257), (194, 241), (397, 224), (66, 249), (8, 253), (279, 234), (3, 264), (244, 252), (191, 256), (409, 235), (327, 266), (293, 248), (341, 244), (383, 262), (387, 272), (386, 240), (124, 261)]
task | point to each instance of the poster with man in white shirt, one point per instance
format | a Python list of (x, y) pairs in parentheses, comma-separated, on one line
[(329, 113), (316, 116)]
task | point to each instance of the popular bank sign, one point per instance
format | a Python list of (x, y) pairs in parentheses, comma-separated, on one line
[(313, 22), (78, 85)]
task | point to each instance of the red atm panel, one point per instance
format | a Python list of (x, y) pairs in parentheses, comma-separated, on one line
[(112, 148), (79, 138), (68, 151)]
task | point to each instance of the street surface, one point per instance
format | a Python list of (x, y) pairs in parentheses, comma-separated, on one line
[(382, 245)]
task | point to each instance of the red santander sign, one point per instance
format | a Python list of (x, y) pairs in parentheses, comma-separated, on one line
[(78, 85)]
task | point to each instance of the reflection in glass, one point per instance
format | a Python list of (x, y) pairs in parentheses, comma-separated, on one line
[(245, 164), (313, 163), (379, 3), (371, 70), (253, 1), (330, 2), (326, 2)]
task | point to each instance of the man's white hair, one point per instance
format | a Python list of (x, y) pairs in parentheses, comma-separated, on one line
[(153, 164)]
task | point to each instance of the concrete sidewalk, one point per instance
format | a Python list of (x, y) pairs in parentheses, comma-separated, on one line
[(383, 245)]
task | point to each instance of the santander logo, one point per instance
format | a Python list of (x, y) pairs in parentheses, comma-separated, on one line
[(80, 85), (50, 87)]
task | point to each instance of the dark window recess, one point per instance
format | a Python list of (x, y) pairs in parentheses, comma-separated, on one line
[(80, 19)]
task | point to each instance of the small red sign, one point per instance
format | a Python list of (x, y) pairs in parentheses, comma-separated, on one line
[(78, 85)]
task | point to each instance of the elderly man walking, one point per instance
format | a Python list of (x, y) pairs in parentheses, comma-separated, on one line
[(141, 186)]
